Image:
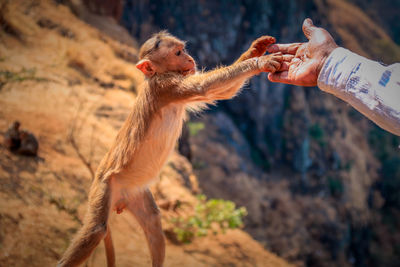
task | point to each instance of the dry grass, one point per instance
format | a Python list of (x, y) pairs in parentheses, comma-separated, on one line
[(359, 32)]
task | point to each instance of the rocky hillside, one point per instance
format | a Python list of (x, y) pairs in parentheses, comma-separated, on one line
[(319, 180), (73, 85)]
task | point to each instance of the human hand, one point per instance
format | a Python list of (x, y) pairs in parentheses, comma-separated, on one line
[(308, 59)]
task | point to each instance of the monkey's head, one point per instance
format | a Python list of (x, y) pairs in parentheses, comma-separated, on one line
[(165, 53)]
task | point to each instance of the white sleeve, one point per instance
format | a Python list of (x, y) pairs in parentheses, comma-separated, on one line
[(371, 88)]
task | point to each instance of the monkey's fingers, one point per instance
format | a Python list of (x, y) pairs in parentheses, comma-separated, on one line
[(275, 66), (264, 41), (284, 67), (284, 60), (279, 57), (261, 44), (284, 48), (271, 63)]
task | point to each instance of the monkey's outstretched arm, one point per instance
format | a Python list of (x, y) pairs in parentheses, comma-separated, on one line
[(219, 83)]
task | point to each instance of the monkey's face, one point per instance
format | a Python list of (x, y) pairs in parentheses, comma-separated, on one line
[(170, 56), (177, 60)]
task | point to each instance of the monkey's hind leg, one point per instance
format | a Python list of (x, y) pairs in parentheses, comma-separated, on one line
[(94, 227), (108, 244), (146, 212)]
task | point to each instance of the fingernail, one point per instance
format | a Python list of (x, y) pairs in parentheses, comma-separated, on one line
[(309, 22)]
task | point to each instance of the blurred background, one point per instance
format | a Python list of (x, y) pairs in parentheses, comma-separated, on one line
[(320, 182)]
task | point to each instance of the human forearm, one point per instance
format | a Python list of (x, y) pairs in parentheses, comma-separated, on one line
[(371, 88)]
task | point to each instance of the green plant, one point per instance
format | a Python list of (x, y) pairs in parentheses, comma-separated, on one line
[(348, 166), (335, 185), (317, 133), (195, 127), (62, 205), (210, 215), (22, 75), (198, 165), (258, 159)]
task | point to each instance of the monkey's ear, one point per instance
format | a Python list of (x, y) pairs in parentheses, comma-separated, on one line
[(146, 67)]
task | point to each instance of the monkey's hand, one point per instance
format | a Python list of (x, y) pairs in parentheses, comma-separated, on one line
[(270, 63), (257, 48)]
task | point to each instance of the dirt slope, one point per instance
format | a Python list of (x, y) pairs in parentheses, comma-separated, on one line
[(73, 86)]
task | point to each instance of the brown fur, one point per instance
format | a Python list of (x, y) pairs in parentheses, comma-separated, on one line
[(148, 136)]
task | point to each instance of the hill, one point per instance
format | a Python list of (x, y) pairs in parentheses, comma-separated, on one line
[(73, 86)]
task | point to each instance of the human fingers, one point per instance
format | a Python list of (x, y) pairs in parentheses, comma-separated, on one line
[(287, 57), (280, 77), (309, 28), (284, 48)]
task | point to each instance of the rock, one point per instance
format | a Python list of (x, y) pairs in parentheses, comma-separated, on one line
[(20, 141)]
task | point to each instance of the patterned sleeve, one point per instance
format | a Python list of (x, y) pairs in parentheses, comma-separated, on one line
[(371, 88)]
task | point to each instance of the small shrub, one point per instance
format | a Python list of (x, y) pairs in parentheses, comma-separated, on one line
[(348, 166), (210, 215), (62, 205), (258, 159), (336, 187), (317, 133), (195, 127), (24, 74)]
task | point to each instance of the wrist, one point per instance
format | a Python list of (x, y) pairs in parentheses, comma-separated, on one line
[(257, 64), (324, 56)]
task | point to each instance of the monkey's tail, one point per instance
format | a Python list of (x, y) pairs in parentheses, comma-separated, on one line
[(108, 244)]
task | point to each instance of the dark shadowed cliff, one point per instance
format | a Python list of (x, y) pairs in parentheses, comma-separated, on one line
[(318, 178)]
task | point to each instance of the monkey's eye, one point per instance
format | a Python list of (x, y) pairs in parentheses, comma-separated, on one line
[(178, 53)]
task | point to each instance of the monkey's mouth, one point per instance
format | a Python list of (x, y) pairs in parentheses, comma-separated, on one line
[(188, 71)]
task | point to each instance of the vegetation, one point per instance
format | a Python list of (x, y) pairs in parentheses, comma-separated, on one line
[(258, 159), (24, 74), (61, 204), (386, 149), (317, 133), (210, 215), (195, 127), (335, 186)]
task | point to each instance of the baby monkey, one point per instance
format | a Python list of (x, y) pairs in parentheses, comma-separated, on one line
[(149, 134)]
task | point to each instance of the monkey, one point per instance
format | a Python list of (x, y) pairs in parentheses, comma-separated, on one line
[(20, 141), (172, 85)]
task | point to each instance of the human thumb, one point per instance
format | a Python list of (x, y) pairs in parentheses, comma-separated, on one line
[(308, 28)]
